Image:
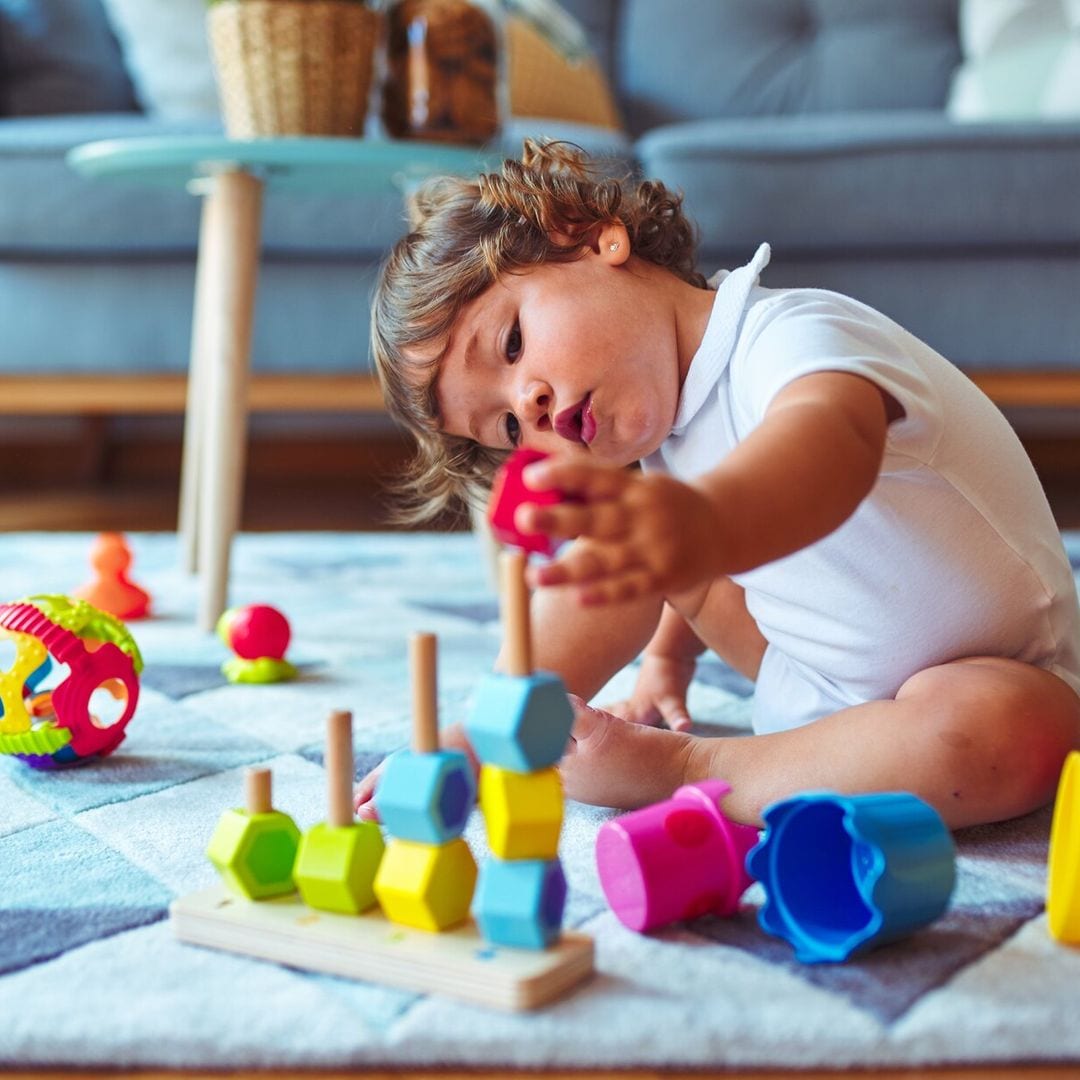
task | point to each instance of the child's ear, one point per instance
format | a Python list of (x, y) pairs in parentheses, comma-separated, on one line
[(613, 244)]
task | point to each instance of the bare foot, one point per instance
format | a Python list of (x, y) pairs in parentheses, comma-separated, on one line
[(450, 738), (612, 762)]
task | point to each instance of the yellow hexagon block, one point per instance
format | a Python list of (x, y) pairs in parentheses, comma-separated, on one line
[(523, 812), (429, 886), (255, 853), (336, 866)]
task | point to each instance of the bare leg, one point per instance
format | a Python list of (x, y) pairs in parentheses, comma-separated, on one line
[(981, 739), (587, 646)]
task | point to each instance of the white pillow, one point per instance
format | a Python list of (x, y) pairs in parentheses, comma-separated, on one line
[(167, 56), (1021, 61)]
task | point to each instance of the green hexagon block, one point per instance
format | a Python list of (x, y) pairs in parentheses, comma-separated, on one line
[(336, 866), (255, 853)]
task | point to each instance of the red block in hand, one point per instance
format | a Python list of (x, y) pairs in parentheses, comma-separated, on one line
[(509, 492)]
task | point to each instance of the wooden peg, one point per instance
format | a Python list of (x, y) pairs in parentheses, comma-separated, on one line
[(258, 791), (515, 604), (339, 768), (422, 662)]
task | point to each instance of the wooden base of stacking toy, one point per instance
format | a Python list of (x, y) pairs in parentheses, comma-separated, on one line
[(457, 963)]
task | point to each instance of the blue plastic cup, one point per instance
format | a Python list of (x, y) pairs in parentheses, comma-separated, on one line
[(845, 873)]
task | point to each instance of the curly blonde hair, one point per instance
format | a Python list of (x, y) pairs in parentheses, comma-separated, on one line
[(464, 235)]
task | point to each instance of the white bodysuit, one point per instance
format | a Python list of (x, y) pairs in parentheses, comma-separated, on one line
[(954, 552)]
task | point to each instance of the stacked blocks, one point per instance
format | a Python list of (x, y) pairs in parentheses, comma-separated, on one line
[(339, 858), (254, 850), (427, 875), (519, 727), (674, 860)]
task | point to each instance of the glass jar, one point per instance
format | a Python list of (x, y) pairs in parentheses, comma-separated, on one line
[(442, 70)]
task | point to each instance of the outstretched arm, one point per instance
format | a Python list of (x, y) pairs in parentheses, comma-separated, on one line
[(793, 480)]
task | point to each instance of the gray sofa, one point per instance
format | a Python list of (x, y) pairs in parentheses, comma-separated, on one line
[(817, 125)]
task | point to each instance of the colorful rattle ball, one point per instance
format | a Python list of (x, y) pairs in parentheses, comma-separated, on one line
[(259, 635), (55, 728)]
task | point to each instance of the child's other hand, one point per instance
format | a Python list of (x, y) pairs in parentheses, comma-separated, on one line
[(645, 533), (659, 695), (451, 737)]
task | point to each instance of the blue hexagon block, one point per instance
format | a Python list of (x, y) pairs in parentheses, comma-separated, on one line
[(520, 902), (426, 797), (520, 722)]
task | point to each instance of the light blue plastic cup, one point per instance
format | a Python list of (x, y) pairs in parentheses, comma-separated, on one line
[(844, 874)]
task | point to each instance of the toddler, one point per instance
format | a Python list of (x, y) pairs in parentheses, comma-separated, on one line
[(823, 500)]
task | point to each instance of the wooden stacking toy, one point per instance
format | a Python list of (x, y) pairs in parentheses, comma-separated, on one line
[(428, 874), (1063, 879), (423, 880), (519, 728), (254, 849), (676, 859), (338, 858)]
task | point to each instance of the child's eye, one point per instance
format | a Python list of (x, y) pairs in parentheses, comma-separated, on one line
[(513, 342), (513, 429)]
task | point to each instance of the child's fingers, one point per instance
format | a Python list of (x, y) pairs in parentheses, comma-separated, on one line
[(601, 520), (584, 563), (617, 589), (577, 479), (673, 709)]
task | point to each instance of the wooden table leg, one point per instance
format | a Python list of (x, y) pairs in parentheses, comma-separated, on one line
[(205, 286), (224, 340)]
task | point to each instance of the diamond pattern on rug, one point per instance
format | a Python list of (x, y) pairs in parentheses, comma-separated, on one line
[(64, 888), (889, 980)]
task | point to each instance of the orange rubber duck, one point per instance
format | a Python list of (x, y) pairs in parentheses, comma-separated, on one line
[(112, 590)]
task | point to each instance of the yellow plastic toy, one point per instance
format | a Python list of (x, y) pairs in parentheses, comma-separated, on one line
[(523, 812), (1063, 888)]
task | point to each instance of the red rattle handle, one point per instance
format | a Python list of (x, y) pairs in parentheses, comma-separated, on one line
[(509, 492)]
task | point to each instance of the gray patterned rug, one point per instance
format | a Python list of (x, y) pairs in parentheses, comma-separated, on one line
[(90, 974)]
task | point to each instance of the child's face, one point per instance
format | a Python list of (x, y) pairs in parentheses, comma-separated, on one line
[(577, 358)]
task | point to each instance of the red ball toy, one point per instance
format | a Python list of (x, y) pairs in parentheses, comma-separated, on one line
[(255, 631)]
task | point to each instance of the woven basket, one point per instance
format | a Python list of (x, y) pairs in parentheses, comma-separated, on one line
[(292, 67)]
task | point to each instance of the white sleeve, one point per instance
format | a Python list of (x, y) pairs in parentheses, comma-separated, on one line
[(797, 333)]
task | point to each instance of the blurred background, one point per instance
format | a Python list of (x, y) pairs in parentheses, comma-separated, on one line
[(921, 155)]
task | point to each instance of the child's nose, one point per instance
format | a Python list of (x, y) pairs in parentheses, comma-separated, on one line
[(535, 403)]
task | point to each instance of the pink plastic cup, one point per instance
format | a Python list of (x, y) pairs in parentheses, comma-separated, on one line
[(675, 859)]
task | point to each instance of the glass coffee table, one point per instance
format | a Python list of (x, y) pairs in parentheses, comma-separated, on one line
[(231, 176)]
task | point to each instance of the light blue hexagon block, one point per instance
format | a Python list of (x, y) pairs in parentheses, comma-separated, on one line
[(520, 902), (426, 797), (520, 722)]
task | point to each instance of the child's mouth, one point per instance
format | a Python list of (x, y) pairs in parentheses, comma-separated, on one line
[(577, 423)]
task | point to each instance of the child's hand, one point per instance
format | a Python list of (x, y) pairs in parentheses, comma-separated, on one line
[(659, 695), (646, 533), (451, 737)]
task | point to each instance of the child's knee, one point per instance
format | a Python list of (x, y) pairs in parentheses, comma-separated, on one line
[(1005, 723)]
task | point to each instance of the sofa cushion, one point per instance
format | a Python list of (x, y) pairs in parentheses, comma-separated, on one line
[(60, 56), (47, 209), (755, 58), (873, 181)]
